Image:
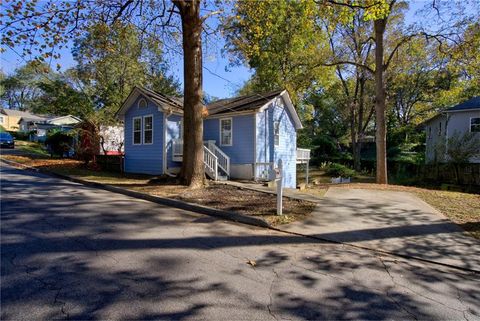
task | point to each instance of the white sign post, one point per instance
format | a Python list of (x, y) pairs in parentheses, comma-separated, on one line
[(279, 181)]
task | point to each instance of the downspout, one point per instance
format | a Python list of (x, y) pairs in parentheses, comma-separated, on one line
[(166, 114)]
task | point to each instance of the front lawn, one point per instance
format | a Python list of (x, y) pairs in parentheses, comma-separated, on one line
[(31, 148)]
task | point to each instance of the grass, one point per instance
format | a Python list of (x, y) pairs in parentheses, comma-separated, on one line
[(319, 176), (31, 148)]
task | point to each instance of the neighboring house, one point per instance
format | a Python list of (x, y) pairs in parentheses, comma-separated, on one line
[(40, 125), (244, 137), (9, 118), (460, 119)]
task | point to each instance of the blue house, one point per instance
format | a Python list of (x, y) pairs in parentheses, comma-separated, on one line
[(245, 137)]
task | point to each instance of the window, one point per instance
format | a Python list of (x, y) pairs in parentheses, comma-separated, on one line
[(276, 133), (475, 125), (439, 128), (137, 131), (148, 129), (226, 132), (429, 131), (142, 103), (1, 119)]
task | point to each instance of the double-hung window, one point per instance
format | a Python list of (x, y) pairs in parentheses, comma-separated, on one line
[(226, 132), (475, 125), (137, 130), (148, 129), (276, 133)]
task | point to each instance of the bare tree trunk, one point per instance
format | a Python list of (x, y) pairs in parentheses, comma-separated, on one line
[(193, 171), (380, 102), (357, 154), (353, 132)]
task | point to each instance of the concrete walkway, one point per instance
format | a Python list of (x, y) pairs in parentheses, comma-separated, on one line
[(397, 222)]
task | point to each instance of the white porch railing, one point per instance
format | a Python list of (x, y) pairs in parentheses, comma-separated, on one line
[(211, 163), (263, 171), (223, 159), (177, 150), (303, 155)]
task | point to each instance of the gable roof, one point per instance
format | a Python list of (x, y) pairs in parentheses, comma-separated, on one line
[(74, 119), (157, 98), (473, 103), (254, 102), (241, 103), (17, 113)]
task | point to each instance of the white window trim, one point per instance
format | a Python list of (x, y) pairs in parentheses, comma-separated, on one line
[(133, 130), (143, 129), (231, 130), (276, 122), (470, 125), (141, 100)]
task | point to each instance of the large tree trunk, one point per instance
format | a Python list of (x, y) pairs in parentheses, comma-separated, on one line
[(381, 131), (193, 171)]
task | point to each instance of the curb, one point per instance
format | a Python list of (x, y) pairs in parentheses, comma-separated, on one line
[(231, 216)]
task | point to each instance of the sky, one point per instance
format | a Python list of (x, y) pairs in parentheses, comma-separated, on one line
[(217, 81), (220, 80)]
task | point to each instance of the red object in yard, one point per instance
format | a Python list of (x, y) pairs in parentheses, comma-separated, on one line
[(113, 152)]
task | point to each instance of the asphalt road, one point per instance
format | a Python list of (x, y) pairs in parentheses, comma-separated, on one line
[(74, 252)]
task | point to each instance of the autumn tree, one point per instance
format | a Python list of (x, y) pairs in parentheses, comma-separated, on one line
[(40, 28), (112, 59)]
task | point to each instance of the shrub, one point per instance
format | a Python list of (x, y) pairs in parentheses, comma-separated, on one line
[(59, 143), (20, 135), (339, 170)]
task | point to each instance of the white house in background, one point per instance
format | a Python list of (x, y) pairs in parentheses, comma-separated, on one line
[(462, 118), (41, 124)]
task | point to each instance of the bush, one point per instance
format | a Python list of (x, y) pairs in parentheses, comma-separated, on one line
[(339, 170), (59, 143), (20, 135)]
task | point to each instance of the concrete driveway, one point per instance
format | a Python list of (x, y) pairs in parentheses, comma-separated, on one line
[(398, 222), (74, 252)]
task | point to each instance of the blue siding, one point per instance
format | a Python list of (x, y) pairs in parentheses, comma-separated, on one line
[(241, 151), (173, 132), (286, 150), (146, 159)]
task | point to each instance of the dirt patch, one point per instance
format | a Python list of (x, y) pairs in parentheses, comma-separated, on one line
[(235, 199), (223, 197)]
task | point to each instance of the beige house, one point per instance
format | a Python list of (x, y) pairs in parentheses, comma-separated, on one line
[(9, 118)]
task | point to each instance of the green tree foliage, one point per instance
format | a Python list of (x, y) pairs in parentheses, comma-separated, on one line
[(20, 90), (111, 60), (59, 97), (280, 41)]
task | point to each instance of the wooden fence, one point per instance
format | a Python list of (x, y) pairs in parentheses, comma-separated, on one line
[(111, 163), (469, 174)]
